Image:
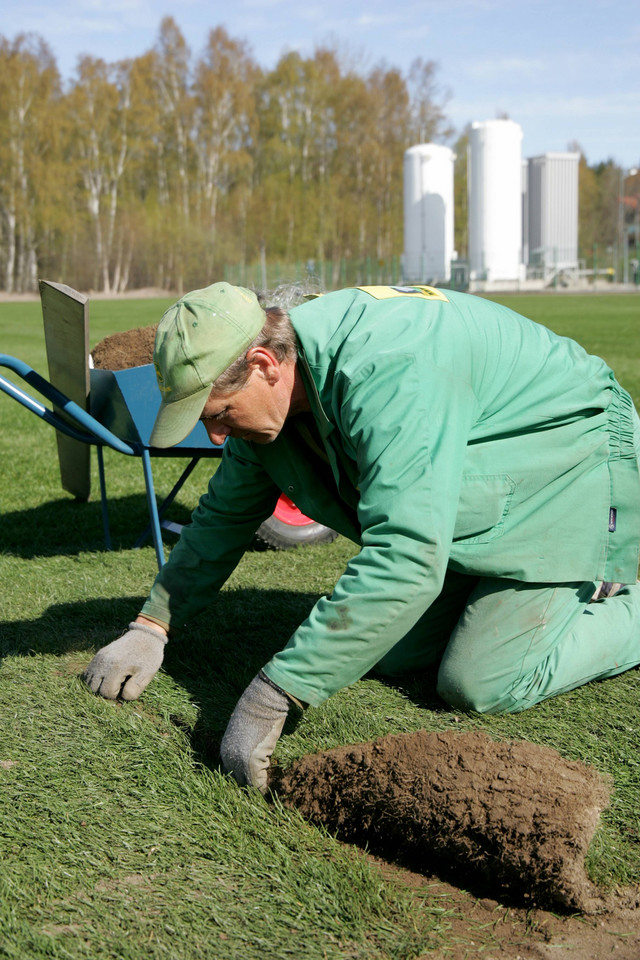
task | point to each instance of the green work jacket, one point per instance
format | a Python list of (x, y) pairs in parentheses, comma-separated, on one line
[(447, 432)]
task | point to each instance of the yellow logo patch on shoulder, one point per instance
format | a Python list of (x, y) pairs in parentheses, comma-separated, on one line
[(386, 293)]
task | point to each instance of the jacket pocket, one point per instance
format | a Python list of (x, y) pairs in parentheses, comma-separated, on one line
[(483, 508)]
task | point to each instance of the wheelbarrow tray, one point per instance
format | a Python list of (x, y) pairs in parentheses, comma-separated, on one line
[(127, 403)]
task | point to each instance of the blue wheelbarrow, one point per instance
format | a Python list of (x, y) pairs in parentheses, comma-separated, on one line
[(117, 409), (123, 409)]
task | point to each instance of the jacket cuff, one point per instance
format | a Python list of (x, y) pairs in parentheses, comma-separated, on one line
[(274, 686)]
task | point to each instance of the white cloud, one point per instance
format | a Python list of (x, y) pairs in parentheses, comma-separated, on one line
[(313, 14), (117, 6), (377, 20), (625, 105), (495, 68), (263, 4)]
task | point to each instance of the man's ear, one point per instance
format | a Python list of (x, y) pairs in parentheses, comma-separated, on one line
[(265, 362)]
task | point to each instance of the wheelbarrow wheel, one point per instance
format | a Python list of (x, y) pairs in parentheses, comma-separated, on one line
[(288, 527)]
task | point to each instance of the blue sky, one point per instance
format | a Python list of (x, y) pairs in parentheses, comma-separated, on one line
[(565, 71)]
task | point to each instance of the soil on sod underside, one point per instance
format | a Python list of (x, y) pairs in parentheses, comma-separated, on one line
[(515, 819)]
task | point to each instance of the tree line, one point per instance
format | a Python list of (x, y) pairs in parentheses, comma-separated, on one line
[(163, 169)]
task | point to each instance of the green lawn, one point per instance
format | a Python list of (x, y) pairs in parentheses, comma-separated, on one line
[(119, 836)]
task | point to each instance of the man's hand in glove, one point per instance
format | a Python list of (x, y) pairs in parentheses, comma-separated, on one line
[(253, 731), (125, 667)]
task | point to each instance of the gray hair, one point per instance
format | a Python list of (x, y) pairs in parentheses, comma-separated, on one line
[(277, 335)]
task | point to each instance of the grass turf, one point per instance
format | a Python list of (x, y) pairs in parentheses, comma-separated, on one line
[(119, 836)]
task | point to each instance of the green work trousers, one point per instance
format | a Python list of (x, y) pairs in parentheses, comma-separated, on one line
[(504, 645)]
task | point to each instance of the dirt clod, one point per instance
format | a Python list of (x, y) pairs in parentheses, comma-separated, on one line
[(515, 818), (120, 351)]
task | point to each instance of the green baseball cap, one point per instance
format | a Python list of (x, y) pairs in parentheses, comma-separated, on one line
[(197, 339)]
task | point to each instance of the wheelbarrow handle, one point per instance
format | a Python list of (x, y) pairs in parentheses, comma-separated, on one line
[(92, 431)]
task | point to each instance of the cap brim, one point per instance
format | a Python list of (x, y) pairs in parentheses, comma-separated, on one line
[(176, 420)]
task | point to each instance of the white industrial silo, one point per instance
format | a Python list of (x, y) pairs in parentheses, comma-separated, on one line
[(495, 201), (428, 213)]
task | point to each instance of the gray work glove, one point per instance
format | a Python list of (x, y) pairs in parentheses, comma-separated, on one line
[(125, 666), (253, 731)]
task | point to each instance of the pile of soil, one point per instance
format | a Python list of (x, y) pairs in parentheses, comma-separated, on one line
[(516, 819), (120, 351)]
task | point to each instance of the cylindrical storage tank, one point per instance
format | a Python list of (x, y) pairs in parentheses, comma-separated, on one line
[(428, 213), (495, 200)]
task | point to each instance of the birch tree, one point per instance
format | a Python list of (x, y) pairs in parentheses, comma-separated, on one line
[(297, 148), (99, 107), (29, 100), (175, 107), (224, 130), (427, 120)]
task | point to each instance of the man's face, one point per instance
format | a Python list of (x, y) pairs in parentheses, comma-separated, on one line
[(256, 413)]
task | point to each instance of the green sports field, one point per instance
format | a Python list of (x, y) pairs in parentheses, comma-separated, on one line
[(119, 836)]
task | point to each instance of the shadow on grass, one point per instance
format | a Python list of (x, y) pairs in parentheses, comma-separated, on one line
[(251, 626), (66, 627), (420, 688), (68, 527), (213, 660), (224, 650)]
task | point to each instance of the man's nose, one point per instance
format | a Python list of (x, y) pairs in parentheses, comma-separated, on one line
[(217, 432)]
